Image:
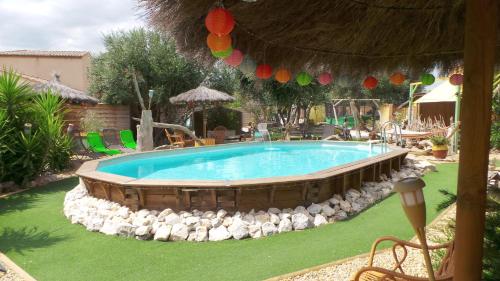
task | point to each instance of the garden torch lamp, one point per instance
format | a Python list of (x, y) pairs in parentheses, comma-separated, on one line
[(412, 200)]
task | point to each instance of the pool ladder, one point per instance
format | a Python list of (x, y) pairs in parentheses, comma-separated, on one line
[(397, 133)]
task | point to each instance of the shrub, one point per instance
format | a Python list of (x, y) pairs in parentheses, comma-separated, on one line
[(439, 140), (24, 153)]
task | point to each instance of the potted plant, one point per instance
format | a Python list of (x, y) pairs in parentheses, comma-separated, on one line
[(439, 146)]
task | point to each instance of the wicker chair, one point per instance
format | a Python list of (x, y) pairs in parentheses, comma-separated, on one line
[(373, 273)]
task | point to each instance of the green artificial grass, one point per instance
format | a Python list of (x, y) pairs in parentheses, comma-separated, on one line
[(35, 234)]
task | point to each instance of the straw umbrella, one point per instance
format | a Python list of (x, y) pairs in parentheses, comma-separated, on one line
[(361, 37), (65, 92), (203, 97)]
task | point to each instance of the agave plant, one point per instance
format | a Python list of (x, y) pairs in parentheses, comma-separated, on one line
[(15, 97)]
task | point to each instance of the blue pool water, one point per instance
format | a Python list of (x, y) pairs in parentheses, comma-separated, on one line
[(240, 161)]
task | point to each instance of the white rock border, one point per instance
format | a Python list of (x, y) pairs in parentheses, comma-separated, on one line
[(113, 219)]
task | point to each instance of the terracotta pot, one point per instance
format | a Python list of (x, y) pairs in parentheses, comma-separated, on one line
[(440, 151)]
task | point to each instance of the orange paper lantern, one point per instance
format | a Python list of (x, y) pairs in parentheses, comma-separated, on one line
[(282, 75), (264, 71), (370, 83), (397, 78), (218, 43), (219, 21)]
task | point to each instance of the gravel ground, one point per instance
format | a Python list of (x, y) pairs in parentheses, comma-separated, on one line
[(413, 265), (10, 276)]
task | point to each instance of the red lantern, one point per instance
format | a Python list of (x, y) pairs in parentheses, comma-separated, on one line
[(325, 78), (219, 21), (264, 71), (218, 43), (370, 83), (235, 58), (397, 78), (456, 79), (282, 75)]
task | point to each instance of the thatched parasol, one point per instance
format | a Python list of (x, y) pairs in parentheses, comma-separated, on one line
[(202, 96), (364, 36), (64, 91), (345, 36)]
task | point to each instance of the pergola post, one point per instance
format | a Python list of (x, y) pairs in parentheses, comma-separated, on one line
[(479, 56)]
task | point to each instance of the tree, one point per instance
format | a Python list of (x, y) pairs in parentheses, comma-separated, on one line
[(286, 100), (153, 57)]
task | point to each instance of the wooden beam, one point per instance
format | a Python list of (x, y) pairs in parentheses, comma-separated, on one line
[(479, 56)]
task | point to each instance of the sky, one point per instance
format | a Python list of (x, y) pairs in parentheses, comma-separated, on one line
[(74, 25)]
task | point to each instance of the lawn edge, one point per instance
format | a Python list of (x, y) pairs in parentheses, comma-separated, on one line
[(341, 261), (14, 267)]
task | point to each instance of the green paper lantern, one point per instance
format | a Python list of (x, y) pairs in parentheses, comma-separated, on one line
[(223, 54), (427, 79), (304, 79)]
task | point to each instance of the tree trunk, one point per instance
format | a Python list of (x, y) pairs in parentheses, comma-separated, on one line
[(355, 115)]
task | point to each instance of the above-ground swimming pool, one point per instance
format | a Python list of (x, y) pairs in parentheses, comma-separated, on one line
[(238, 176), (241, 161)]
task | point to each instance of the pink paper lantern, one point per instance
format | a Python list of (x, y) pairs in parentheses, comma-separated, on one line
[(456, 79), (325, 78), (235, 58)]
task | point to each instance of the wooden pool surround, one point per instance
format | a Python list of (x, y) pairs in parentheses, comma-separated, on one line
[(233, 195)]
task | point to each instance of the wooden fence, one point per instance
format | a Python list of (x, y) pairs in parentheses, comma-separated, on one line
[(109, 116)]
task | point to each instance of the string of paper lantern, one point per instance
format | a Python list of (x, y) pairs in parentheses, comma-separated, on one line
[(220, 23)]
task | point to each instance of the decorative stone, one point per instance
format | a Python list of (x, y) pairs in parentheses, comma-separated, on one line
[(201, 234), (164, 213), (179, 232), (172, 219), (285, 225), (319, 220), (216, 222), (345, 205), (109, 227), (255, 231), (269, 229), (300, 209), (249, 218), (221, 213), (218, 233), (95, 224), (143, 232), (328, 211), (227, 221), (285, 216), (192, 236), (239, 229), (262, 218), (300, 221), (275, 219), (191, 221), (209, 215), (163, 232), (314, 209), (274, 211)]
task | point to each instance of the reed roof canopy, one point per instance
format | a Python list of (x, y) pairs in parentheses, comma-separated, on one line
[(352, 37)]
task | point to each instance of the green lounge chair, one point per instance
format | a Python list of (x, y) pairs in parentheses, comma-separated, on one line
[(127, 139), (95, 144)]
